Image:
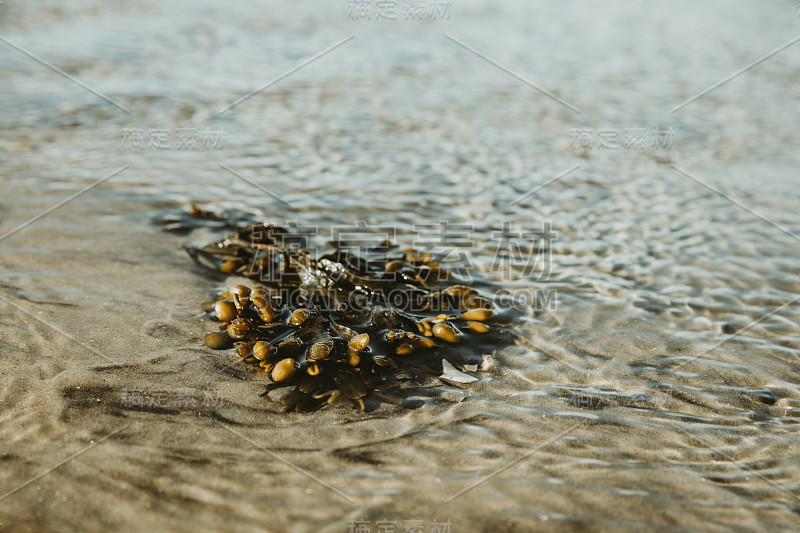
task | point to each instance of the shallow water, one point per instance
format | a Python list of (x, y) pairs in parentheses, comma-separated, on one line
[(661, 392)]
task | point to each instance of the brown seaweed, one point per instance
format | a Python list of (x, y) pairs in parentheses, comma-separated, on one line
[(342, 327)]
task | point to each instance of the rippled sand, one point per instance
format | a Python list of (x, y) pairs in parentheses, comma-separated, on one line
[(661, 393)]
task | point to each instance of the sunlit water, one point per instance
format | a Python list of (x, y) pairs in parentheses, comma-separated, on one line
[(662, 389)]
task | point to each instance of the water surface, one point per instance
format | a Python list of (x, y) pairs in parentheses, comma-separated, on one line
[(660, 393)]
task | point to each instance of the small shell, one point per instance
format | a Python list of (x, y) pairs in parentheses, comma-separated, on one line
[(445, 331), (354, 359), (218, 341), (480, 315), (299, 316), (453, 376), (320, 350), (239, 328), (224, 311), (284, 370), (262, 350), (313, 370), (477, 327), (359, 342)]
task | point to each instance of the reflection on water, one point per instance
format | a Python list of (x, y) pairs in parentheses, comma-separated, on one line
[(661, 390)]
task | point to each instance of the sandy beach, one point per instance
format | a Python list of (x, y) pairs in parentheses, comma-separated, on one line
[(653, 383)]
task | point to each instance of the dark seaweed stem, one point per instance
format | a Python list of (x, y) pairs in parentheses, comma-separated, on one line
[(341, 328)]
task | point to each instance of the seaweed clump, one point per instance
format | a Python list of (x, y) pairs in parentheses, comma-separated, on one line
[(342, 327)]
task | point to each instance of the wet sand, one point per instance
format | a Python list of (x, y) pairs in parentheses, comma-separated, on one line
[(661, 393)]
